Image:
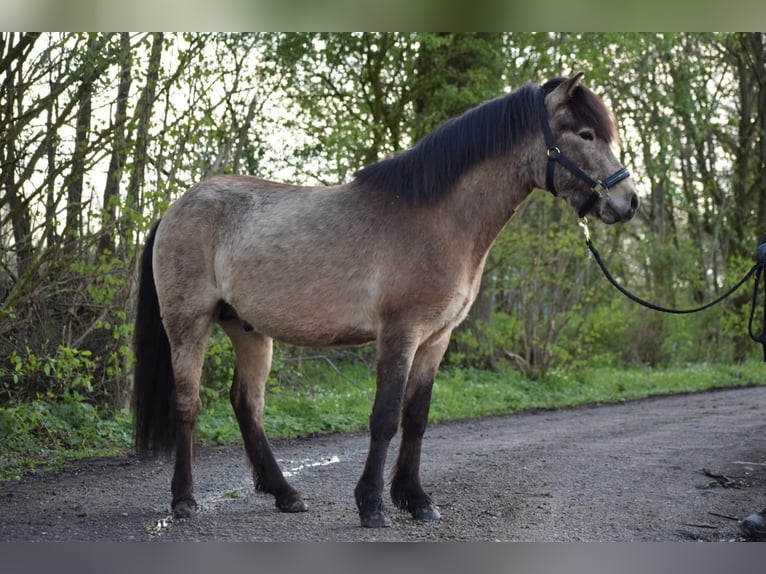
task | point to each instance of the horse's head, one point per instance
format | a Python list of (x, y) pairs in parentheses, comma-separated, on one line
[(579, 132)]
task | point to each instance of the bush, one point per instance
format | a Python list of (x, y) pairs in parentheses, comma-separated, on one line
[(46, 433), (68, 329)]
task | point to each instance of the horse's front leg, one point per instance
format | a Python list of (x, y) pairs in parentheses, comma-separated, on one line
[(406, 490), (393, 365)]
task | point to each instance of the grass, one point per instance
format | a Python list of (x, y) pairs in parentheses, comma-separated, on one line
[(328, 401), (46, 434), (478, 393)]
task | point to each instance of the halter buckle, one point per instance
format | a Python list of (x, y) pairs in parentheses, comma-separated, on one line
[(553, 152), (600, 187)]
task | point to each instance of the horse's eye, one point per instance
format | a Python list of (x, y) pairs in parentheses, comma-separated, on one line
[(586, 135)]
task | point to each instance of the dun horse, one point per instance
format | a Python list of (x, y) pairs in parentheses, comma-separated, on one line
[(395, 256)]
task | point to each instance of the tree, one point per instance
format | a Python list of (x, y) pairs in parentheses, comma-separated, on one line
[(140, 135), (119, 154), (15, 54)]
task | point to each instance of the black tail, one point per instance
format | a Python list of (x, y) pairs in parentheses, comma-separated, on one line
[(153, 382)]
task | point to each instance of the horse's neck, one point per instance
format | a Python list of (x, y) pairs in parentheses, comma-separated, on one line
[(487, 197)]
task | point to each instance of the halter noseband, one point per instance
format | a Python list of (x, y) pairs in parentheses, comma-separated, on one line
[(598, 188)]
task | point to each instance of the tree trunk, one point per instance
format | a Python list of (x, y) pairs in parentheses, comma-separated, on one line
[(74, 207), (143, 115), (119, 149), (12, 94)]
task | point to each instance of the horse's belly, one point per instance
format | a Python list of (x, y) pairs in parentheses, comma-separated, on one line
[(317, 325)]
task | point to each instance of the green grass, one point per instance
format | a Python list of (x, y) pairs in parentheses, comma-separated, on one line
[(45, 434), (481, 393), (329, 401)]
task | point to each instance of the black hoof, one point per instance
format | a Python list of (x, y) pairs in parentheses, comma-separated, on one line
[(185, 508), (375, 519), (411, 498), (428, 513), (754, 526), (292, 504), (373, 515)]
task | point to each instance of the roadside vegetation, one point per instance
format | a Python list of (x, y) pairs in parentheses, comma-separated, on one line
[(336, 396)]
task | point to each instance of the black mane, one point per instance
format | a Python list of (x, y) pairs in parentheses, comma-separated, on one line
[(430, 168)]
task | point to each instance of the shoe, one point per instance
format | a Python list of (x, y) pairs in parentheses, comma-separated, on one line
[(754, 526)]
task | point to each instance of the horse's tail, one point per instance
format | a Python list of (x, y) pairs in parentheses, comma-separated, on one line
[(153, 382)]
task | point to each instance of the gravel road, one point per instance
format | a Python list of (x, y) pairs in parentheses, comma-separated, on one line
[(677, 468)]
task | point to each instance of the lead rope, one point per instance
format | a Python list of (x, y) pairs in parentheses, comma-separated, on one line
[(760, 263), (756, 270)]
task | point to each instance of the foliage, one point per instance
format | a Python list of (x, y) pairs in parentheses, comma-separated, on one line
[(86, 300), (359, 97), (45, 433)]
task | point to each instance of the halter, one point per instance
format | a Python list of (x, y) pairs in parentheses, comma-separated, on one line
[(598, 187)]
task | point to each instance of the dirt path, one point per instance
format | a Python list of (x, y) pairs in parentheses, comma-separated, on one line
[(631, 471)]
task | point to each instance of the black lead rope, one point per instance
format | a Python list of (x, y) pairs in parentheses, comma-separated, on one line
[(756, 270), (760, 263)]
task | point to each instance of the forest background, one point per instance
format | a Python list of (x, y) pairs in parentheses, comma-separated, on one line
[(99, 132)]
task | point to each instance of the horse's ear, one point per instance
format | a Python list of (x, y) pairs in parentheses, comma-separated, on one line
[(563, 92), (572, 83)]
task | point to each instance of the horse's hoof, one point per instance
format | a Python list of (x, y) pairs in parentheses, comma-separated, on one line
[(292, 505), (754, 526), (427, 513), (375, 519), (185, 508)]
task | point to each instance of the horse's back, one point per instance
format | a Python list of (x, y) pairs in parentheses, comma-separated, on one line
[(295, 262)]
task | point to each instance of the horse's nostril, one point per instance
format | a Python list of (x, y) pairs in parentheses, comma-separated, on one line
[(634, 202)]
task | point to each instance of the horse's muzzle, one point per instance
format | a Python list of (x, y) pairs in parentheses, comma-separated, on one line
[(617, 209)]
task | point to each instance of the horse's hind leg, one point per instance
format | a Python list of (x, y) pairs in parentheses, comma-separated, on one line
[(188, 340), (406, 490), (253, 362)]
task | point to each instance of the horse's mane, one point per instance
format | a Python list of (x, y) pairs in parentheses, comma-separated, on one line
[(429, 169)]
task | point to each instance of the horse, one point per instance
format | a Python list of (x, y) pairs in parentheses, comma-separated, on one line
[(395, 256)]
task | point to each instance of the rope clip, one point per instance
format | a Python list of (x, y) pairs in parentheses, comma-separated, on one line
[(583, 223)]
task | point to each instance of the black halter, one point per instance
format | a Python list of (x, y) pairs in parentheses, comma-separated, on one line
[(598, 188)]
